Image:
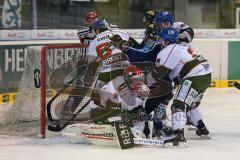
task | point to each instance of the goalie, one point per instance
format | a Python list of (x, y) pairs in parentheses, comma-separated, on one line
[(120, 98)]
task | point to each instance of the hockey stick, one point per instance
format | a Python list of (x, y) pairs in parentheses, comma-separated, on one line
[(237, 85), (85, 101), (66, 83)]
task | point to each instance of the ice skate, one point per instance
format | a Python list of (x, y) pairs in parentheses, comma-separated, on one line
[(202, 130), (177, 140)]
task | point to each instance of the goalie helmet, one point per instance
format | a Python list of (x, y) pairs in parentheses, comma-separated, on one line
[(90, 17), (134, 77)]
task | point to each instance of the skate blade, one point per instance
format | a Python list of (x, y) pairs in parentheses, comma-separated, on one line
[(205, 137), (191, 128)]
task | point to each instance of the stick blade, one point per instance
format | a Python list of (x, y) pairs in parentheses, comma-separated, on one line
[(56, 128), (236, 84)]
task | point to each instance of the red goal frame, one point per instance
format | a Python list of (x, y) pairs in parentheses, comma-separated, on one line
[(43, 80)]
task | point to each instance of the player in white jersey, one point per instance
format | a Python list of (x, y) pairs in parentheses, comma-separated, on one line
[(193, 74), (120, 99), (165, 20), (126, 92), (111, 59)]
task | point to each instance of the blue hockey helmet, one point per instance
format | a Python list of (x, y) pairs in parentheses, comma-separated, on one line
[(163, 17), (169, 34), (100, 24)]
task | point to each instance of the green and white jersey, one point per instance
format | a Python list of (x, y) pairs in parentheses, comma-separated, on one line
[(110, 56), (182, 62)]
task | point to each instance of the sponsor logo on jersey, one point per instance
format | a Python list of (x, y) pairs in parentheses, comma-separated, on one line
[(114, 59), (106, 37), (192, 95), (181, 95)]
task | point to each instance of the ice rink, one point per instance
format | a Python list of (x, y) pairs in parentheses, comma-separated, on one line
[(221, 111)]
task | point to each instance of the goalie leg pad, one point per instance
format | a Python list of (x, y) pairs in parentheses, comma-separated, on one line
[(103, 135)]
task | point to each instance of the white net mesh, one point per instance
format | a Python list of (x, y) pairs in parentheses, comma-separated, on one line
[(23, 117)]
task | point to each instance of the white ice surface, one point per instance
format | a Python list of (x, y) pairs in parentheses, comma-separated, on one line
[(221, 111)]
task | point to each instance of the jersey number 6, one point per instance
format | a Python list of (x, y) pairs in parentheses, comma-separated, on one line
[(103, 50)]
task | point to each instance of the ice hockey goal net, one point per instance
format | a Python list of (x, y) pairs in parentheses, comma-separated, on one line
[(45, 72)]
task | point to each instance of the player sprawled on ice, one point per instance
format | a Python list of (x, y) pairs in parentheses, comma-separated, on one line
[(192, 73), (121, 101)]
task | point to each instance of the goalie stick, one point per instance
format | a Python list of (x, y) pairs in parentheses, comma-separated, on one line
[(237, 85), (59, 128), (149, 142), (66, 83), (49, 104)]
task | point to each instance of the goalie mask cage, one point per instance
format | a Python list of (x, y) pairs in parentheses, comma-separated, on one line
[(45, 71)]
